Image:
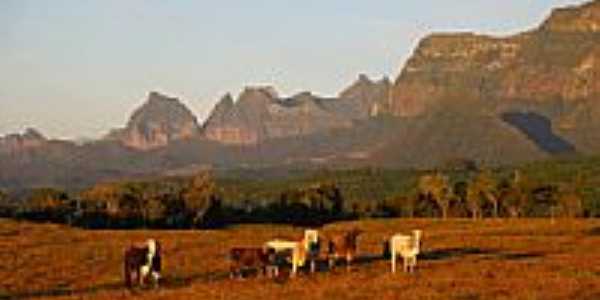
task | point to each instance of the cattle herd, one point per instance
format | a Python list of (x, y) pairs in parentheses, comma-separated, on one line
[(142, 262)]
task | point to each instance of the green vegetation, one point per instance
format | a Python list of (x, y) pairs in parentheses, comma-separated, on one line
[(564, 188)]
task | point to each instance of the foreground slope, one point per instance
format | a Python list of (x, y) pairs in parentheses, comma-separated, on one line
[(492, 259)]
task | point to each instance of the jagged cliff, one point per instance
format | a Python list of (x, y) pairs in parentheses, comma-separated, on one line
[(553, 70), (557, 61), (159, 121), (259, 114)]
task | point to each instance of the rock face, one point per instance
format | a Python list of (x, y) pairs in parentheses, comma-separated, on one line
[(553, 70), (156, 123), (241, 122), (260, 114), (31, 138), (367, 98), (460, 98), (585, 18)]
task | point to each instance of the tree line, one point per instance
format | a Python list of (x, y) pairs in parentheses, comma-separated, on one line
[(201, 201)]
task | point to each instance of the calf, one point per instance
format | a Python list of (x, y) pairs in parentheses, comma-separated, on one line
[(246, 258), (141, 261), (345, 246)]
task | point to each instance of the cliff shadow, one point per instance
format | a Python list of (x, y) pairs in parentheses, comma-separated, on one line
[(539, 130)]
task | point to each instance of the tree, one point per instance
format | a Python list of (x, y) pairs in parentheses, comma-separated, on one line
[(437, 188), (104, 196), (474, 201), (404, 205), (514, 201), (514, 194), (198, 196), (570, 199), (47, 204), (486, 185), (570, 205), (44, 199), (154, 208)]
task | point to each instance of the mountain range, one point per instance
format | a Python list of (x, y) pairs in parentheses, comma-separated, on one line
[(460, 97)]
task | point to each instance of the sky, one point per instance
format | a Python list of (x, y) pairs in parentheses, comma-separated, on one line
[(77, 68)]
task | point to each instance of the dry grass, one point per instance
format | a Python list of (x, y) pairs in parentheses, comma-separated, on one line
[(492, 259)]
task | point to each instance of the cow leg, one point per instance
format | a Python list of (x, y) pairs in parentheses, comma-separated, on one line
[(127, 275), (155, 279), (393, 262), (234, 269), (313, 265), (332, 261), (295, 262), (415, 263), (141, 277), (348, 261), (294, 269), (265, 271)]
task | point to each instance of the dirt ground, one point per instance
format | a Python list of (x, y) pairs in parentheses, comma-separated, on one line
[(461, 259)]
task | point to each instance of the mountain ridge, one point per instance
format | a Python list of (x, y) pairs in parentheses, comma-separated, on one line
[(469, 97)]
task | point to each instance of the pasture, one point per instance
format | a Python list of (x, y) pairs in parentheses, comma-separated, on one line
[(461, 259)]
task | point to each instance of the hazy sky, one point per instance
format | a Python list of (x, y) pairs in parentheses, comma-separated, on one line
[(78, 68)]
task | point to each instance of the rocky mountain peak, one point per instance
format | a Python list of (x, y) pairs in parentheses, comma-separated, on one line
[(267, 91), (226, 101), (582, 18), (368, 96), (257, 95), (220, 111), (33, 134), (554, 61), (159, 121), (31, 138), (363, 78), (303, 96)]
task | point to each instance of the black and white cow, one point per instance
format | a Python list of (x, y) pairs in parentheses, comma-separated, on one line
[(142, 262)]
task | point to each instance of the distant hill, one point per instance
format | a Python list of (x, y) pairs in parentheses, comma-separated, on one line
[(460, 97)]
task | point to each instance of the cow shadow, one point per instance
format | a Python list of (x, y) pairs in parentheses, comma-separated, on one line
[(594, 231), (178, 281), (63, 291), (167, 282), (448, 253), (486, 253), (322, 266)]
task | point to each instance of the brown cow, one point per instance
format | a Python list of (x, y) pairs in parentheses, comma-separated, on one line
[(142, 261), (261, 259), (343, 245)]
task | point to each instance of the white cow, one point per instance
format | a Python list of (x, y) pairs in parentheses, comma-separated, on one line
[(408, 247), (307, 248)]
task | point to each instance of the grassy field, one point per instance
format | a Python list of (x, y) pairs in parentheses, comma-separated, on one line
[(491, 259)]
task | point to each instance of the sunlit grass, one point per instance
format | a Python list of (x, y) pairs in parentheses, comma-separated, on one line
[(463, 259)]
